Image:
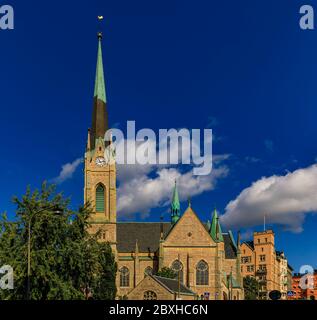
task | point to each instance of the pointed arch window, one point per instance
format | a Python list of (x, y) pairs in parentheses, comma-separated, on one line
[(124, 277), (177, 267), (100, 198), (202, 273)]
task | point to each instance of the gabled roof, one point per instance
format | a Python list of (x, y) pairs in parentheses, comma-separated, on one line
[(230, 248), (148, 236), (172, 285), (250, 244), (147, 233)]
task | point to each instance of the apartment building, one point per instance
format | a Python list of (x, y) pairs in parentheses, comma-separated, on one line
[(260, 259)]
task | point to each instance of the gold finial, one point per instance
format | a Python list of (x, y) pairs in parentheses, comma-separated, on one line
[(100, 18)]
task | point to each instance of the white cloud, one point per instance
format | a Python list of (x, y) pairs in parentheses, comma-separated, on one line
[(145, 187), (143, 192), (67, 171), (285, 200)]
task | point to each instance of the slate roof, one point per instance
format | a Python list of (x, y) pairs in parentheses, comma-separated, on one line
[(147, 234), (172, 285), (230, 249), (250, 244)]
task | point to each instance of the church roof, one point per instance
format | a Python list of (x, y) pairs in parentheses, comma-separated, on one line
[(147, 233), (148, 236), (230, 249), (172, 285)]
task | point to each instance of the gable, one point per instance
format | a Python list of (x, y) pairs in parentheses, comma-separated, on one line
[(245, 249), (189, 231)]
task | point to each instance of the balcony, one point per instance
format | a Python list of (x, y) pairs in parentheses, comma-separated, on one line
[(261, 272)]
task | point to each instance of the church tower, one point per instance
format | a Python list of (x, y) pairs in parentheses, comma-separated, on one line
[(100, 169)]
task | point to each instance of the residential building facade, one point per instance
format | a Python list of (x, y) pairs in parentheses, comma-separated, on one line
[(259, 259), (302, 288)]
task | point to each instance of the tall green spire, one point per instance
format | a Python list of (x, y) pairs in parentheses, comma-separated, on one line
[(215, 230), (100, 88), (175, 206), (100, 115)]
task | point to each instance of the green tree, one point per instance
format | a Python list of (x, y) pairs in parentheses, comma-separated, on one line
[(251, 288), (66, 261), (167, 273)]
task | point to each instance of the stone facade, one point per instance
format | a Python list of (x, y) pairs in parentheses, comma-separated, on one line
[(260, 259)]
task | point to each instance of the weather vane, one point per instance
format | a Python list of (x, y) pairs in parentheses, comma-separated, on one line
[(100, 18)]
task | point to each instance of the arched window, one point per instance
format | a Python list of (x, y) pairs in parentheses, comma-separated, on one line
[(124, 277), (202, 273), (148, 271), (100, 198), (149, 295), (177, 267)]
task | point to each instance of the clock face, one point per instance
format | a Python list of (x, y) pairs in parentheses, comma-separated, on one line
[(100, 161)]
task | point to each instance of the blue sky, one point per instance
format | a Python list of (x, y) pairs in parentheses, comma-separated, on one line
[(242, 67)]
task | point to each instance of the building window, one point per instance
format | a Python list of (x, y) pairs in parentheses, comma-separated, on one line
[(262, 249), (265, 239), (100, 199), (246, 259), (124, 277), (202, 273), (149, 295), (262, 257), (177, 267), (148, 271), (262, 267), (250, 268), (258, 240)]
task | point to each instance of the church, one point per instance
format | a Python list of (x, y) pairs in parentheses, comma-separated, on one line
[(205, 259)]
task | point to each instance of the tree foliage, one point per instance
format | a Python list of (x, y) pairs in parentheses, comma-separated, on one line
[(66, 261), (251, 288)]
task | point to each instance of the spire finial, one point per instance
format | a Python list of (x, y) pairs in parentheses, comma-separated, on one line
[(99, 34), (189, 202)]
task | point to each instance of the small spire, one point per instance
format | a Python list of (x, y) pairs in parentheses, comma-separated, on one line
[(88, 141), (175, 206), (239, 239), (161, 227), (136, 247), (215, 230), (189, 202)]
